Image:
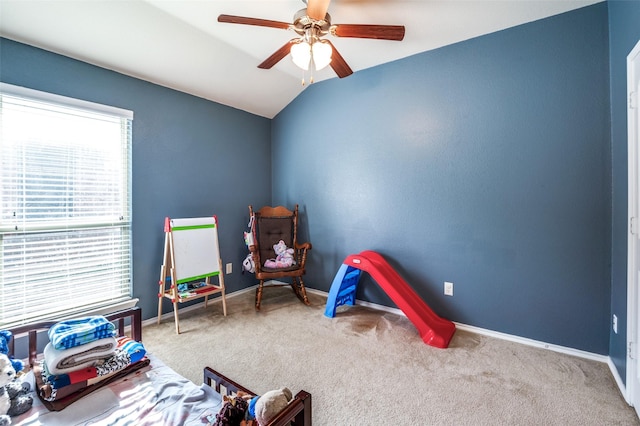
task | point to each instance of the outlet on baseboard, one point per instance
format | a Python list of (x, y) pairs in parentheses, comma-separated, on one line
[(615, 324), (448, 288)]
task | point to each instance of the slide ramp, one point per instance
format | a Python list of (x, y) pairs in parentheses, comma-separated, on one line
[(434, 330)]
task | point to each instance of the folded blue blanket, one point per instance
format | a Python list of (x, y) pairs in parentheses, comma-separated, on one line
[(76, 332)]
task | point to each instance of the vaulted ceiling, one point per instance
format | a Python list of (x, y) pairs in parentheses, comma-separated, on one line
[(181, 45)]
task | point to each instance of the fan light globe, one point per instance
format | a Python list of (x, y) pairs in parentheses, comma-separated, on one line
[(321, 54), (301, 55)]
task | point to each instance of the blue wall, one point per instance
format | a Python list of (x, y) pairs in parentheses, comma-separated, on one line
[(624, 24), (191, 157), (485, 163)]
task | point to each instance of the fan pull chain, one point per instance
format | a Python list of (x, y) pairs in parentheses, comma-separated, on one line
[(312, 66)]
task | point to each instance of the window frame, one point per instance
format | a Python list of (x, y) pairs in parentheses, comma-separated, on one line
[(124, 222)]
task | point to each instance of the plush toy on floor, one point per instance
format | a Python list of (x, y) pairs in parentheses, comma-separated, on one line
[(284, 256), (14, 394)]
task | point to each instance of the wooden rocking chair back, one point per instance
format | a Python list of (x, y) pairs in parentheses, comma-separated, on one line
[(270, 226)]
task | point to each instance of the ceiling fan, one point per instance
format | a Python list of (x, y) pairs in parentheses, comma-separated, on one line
[(310, 50)]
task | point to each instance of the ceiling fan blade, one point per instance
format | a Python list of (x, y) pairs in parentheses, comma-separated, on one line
[(277, 55), (338, 63), (381, 32), (317, 9), (231, 19)]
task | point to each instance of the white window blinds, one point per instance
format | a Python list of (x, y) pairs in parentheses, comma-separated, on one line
[(65, 224)]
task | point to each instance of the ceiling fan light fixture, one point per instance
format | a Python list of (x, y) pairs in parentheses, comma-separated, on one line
[(321, 52), (310, 51), (301, 55)]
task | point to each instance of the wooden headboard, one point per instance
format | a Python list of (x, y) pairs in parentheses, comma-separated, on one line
[(133, 316)]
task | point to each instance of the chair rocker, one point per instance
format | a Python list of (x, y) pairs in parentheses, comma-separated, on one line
[(270, 225)]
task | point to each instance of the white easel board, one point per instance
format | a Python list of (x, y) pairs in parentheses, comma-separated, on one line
[(191, 253), (195, 248)]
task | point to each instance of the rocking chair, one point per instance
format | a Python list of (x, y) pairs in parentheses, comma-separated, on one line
[(270, 226)]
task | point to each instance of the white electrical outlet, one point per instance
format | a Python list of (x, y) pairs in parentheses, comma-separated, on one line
[(448, 288), (229, 268), (615, 324)]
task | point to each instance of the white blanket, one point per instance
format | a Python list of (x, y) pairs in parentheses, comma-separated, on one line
[(155, 395), (88, 355)]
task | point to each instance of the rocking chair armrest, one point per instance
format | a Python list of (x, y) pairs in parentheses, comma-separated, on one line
[(303, 246), (301, 253)]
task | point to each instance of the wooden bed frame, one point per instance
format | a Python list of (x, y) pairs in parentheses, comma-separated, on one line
[(297, 413), (133, 315)]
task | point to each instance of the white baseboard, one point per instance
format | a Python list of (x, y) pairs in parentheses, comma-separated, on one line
[(535, 343), (618, 379)]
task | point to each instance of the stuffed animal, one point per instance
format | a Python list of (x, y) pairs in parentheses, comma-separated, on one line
[(19, 395), (14, 394), (284, 256), (232, 412), (248, 264), (270, 404), (5, 337), (7, 373)]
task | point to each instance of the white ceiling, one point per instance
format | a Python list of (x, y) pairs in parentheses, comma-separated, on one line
[(180, 44)]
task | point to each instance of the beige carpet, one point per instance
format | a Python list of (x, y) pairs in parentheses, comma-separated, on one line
[(368, 367)]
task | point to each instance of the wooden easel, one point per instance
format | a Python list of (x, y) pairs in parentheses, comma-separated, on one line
[(191, 254)]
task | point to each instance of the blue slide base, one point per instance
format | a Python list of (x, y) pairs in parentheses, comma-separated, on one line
[(343, 289)]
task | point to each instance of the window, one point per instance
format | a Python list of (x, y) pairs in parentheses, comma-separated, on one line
[(65, 220)]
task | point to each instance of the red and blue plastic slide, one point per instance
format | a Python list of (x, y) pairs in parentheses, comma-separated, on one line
[(434, 330)]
